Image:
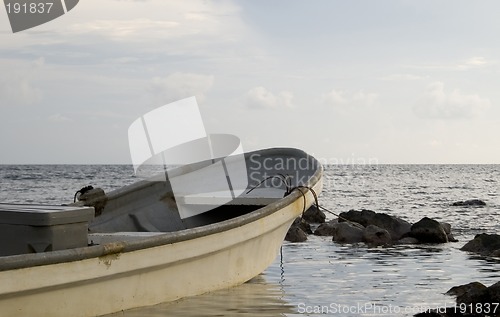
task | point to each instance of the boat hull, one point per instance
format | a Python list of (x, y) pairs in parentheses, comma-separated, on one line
[(127, 276)]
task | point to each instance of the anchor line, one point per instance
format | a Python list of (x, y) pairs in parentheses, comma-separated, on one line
[(285, 179)]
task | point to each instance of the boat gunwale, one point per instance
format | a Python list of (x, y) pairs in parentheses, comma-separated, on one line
[(70, 255)]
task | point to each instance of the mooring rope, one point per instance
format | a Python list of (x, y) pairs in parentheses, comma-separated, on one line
[(285, 179), (82, 191)]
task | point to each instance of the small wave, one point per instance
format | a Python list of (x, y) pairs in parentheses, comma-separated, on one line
[(16, 177), (457, 187)]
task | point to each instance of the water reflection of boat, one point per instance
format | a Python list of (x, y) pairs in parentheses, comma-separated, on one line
[(257, 298), (143, 253)]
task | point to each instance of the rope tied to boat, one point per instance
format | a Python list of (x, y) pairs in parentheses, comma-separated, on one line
[(91, 197), (82, 191), (286, 180)]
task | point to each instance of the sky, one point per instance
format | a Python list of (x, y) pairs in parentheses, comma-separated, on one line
[(410, 82)]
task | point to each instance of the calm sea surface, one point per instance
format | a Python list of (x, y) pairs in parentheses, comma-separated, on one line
[(320, 277)]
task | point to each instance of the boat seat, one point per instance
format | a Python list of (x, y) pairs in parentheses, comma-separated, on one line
[(257, 197)]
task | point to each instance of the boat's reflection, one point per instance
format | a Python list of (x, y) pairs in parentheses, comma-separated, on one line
[(257, 297)]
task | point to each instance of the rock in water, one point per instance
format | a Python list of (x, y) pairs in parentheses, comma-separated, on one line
[(295, 234), (395, 226), (484, 244), (494, 293), (468, 203), (302, 224), (327, 228), (364, 217), (346, 232), (314, 215), (447, 228), (374, 235), (468, 293), (428, 230)]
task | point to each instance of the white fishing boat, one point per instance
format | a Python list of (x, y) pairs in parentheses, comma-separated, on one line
[(139, 251)]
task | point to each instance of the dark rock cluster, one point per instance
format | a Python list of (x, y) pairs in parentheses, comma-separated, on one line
[(370, 227), (381, 229)]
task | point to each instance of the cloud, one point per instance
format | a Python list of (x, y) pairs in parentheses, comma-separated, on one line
[(161, 20), (17, 88), (402, 77), (58, 118), (436, 103), (261, 98), (341, 98), (180, 85), (463, 65), (473, 62), (136, 29), (476, 61)]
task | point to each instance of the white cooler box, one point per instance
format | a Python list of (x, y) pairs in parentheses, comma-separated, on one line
[(42, 228)]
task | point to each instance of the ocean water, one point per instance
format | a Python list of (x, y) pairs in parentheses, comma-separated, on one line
[(320, 277)]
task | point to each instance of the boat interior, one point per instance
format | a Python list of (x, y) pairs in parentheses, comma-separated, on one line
[(149, 207)]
